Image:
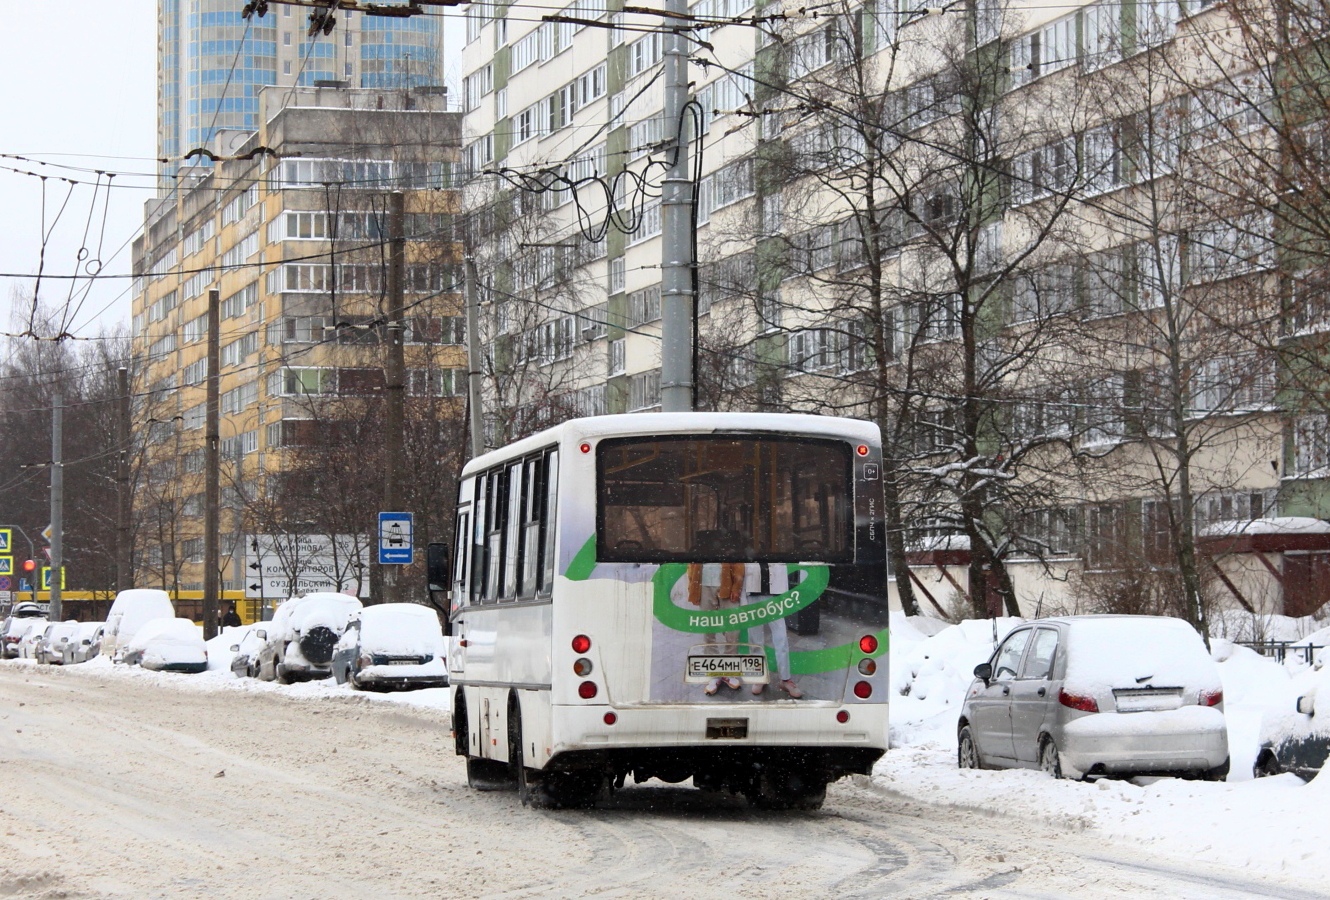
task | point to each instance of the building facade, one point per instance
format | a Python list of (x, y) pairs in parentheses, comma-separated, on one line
[(295, 239), (1068, 257), (213, 63)]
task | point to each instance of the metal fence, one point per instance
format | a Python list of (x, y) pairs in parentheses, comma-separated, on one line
[(1280, 651)]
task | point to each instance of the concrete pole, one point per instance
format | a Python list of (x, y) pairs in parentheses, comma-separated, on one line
[(395, 378), (57, 503), (473, 359), (237, 543), (212, 494), (124, 543), (676, 205)]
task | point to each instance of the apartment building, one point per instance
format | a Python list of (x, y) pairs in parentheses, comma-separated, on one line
[(1069, 257), (213, 63), (291, 227)]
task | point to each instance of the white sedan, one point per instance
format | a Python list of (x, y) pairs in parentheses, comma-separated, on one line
[(168, 645)]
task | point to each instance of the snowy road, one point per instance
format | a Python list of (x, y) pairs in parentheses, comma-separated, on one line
[(131, 787)]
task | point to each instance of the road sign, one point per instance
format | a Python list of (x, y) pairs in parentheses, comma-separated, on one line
[(395, 539), (46, 578), (6, 539), (278, 566), (6, 583), (6, 598), (47, 533), (6, 565)]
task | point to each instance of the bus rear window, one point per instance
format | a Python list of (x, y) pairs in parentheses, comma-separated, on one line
[(720, 498)]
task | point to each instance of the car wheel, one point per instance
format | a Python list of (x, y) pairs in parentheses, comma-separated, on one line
[(967, 752), (1049, 759), (1266, 766)]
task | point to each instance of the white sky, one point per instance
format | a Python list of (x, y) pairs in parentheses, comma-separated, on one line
[(79, 88)]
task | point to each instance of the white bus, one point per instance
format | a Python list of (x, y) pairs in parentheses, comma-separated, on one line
[(672, 596)]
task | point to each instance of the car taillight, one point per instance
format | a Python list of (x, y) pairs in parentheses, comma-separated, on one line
[(586, 690), (863, 690), (1078, 701), (1211, 698), (581, 644), (365, 661), (868, 644)]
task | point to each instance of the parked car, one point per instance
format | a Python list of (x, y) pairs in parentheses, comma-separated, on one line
[(50, 647), (130, 610), (1297, 740), (245, 652), (393, 647), (86, 645), (1085, 696), (15, 626), (167, 645), (298, 643), (32, 634)]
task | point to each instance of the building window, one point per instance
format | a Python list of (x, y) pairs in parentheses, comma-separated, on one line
[(644, 391), (644, 306), (1311, 447)]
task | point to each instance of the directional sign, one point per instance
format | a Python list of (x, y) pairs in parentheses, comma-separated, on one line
[(6, 566), (395, 539), (46, 578), (6, 538), (278, 566)]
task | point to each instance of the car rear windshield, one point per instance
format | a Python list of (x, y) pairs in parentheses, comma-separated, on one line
[(1137, 652), (724, 498)]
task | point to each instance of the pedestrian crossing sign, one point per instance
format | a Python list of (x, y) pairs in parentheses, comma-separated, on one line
[(46, 578), (6, 536), (6, 565)]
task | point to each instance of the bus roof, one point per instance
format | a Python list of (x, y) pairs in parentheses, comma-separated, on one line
[(648, 424)]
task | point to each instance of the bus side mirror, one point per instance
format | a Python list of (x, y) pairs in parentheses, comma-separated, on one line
[(436, 567)]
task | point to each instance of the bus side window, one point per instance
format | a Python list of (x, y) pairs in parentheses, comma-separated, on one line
[(531, 507), (462, 544), (498, 506), (479, 564), (548, 521), (512, 530)]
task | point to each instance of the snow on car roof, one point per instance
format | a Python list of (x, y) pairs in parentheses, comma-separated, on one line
[(172, 630), (1106, 652), (406, 628)]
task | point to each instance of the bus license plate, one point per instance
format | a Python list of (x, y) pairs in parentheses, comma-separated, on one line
[(749, 668)]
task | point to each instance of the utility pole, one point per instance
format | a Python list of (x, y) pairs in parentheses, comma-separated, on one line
[(212, 543), (473, 360), (395, 378), (676, 205), (57, 504), (124, 570), (238, 541)]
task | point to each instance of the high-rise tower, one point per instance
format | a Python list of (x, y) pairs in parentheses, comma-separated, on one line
[(212, 63)]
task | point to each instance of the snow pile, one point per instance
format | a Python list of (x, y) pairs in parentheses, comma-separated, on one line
[(1245, 821), (166, 642)]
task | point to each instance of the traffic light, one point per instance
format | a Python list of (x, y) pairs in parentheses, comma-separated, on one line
[(29, 566)]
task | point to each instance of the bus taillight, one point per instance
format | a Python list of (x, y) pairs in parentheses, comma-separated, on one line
[(843, 716), (582, 666), (862, 690), (868, 644), (581, 644), (867, 667), (587, 690), (862, 449), (610, 718)]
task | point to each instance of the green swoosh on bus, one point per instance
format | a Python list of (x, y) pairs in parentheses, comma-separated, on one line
[(705, 621)]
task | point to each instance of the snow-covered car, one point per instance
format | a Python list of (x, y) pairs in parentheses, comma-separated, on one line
[(167, 645), (130, 610), (32, 635), (86, 645), (300, 639), (1085, 696), (50, 647), (15, 626), (1296, 739), (245, 651), (393, 647)]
